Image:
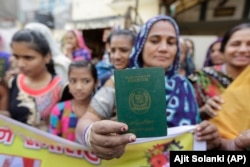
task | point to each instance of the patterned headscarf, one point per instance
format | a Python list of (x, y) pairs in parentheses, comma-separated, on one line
[(182, 107)]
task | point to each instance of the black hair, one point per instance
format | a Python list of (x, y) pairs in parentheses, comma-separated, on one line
[(37, 42), (229, 34), (84, 64), (123, 32)]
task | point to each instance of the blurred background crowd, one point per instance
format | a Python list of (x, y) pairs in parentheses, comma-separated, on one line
[(202, 21)]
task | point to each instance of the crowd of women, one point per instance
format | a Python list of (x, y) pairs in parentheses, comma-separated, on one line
[(60, 91)]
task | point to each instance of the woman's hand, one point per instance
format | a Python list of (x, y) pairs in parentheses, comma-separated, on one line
[(242, 142), (206, 131), (212, 104), (108, 139)]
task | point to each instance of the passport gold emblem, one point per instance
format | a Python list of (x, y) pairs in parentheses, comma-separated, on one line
[(139, 101)]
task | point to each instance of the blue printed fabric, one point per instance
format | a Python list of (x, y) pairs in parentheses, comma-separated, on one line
[(182, 108)]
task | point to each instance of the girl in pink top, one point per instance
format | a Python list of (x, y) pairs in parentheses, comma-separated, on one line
[(82, 83), (36, 89)]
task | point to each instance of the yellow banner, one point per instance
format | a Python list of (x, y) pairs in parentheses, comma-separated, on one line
[(25, 146)]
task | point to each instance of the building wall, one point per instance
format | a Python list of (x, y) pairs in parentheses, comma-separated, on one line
[(191, 24), (86, 9), (95, 9), (146, 8), (193, 14), (149, 10)]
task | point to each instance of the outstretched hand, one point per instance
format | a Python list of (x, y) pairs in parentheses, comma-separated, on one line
[(108, 139)]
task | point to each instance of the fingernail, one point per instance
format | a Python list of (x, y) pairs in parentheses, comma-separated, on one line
[(198, 133), (123, 129), (132, 138), (197, 137)]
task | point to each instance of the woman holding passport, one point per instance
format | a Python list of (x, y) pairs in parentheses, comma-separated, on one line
[(157, 45)]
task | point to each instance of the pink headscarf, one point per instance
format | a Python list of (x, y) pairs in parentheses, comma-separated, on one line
[(80, 40)]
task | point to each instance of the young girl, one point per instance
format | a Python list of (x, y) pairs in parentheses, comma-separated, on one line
[(82, 83), (36, 89), (61, 62)]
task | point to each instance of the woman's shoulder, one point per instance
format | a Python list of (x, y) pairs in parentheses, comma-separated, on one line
[(81, 51), (110, 82), (178, 77), (81, 54), (203, 73), (57, 85), (178, 81), (212, 69), (57, 79)]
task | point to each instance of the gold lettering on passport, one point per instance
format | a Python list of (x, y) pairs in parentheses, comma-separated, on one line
[(139, 122), (140, 125), (141, 78)]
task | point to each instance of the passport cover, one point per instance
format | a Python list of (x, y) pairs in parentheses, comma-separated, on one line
[(141, 100)]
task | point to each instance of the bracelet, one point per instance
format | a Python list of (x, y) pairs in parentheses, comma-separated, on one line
[(86, 136)]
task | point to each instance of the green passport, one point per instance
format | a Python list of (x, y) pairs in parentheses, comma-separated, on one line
[(141, 101)]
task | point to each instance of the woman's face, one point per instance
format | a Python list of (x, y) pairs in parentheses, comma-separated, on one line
[(70, 39), (28, 61), (161, 46), (216, 56), (237, 49), (120, 49)]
